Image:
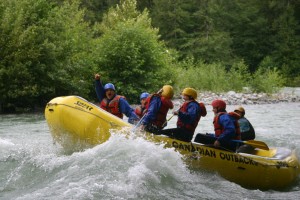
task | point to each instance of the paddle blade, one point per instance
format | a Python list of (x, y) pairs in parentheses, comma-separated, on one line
[(257, 144)]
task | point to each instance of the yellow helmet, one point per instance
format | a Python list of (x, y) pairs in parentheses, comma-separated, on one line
[(167, 91), (240, 108), (190, 92)]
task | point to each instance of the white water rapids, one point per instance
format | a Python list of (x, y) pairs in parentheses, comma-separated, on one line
[(33, 168)]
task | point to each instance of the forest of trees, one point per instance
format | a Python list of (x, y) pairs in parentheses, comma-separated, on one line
[(51, 48)]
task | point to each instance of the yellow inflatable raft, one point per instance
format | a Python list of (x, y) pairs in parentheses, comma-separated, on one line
[(72, 120)]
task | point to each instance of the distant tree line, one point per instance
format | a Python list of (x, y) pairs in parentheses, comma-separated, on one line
[(52, 48)]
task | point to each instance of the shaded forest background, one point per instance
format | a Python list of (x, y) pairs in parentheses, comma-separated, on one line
[(51, 48)]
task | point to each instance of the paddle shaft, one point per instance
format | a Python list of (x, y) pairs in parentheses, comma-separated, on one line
[(253, 143), (167, 120), (170, 117), (138, 124)]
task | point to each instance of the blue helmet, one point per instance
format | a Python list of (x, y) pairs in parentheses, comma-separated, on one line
[(144, 95), (109, 86)]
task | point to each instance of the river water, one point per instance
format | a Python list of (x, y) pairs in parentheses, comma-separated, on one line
[(33, 168)]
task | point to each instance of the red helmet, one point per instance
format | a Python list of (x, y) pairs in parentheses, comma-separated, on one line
[(220, 104)]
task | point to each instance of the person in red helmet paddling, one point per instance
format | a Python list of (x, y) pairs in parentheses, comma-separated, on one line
[(226, 128), (113, 103)]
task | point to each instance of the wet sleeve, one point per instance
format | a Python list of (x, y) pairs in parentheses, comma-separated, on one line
[(128, 111)]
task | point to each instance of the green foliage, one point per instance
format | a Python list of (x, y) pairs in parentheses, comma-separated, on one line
[(170, 16), (44, 47), (267, 78), (53, 48), (294, 81), (130, 53), (225, 31), (188, 27), (203, 77), (212, 48), (215, 77), (95, 9), (286, 40), (247, 26), (122, 12), (239, 76)]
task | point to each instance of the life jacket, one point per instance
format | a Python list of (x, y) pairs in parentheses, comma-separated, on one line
[(189, 126), (112, 106), (220, 129), (139, 111), (203, 111), (166, 104)]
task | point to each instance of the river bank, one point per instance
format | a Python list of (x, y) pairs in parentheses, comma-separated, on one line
[(287, 95)]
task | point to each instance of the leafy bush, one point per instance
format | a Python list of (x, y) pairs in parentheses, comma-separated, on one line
[(267, 78), (44, 53), (239, 76), (211, 77), (130, 53)]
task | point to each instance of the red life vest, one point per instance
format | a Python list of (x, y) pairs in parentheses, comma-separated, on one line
[(161, 115), (139, 111), (203, 109), (112, 106), (220, 129), (190, 126)]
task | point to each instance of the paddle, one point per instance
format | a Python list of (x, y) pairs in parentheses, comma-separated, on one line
[(167, 120), (138, 124), (171, 117), (254, 143)]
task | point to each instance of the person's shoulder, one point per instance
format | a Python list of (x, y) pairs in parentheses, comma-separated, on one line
[(223, 116), (122, 99), (168, 102), (155, 96), (156, 99), (194, 104), (243, 121)]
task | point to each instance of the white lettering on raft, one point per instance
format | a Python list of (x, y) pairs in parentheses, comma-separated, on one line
[(232, 157)]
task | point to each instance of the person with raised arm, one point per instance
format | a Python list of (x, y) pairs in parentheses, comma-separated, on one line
[(113, 103)]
